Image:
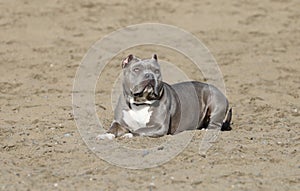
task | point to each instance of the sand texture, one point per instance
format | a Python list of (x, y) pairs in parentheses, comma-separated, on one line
[(255, 42)]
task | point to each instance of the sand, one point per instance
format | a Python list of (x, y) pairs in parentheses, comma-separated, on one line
[(256, 44)]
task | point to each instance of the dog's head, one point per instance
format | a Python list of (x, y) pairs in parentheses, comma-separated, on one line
[(142, 81)]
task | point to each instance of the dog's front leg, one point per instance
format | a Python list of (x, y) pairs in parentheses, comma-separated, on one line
[(115, 130)]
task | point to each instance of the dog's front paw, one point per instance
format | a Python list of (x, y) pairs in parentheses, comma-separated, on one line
[(104, 136), (127, 135)]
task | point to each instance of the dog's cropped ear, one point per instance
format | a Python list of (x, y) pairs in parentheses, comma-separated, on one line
[(126, 61), (154, 56)]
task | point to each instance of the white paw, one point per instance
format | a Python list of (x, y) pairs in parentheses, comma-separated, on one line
[(127, 135), (108, 136)]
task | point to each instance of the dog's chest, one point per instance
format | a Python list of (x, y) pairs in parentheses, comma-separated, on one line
[(137, 117)]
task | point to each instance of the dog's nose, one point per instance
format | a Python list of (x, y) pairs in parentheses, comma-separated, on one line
[(149, 76)]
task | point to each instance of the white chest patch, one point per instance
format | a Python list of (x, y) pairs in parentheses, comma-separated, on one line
[(137, 117)]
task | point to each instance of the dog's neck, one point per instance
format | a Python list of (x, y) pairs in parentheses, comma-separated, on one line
[(130, 100)]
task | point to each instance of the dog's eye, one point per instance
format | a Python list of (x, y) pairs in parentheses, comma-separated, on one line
[(157, 71), (136, 69)]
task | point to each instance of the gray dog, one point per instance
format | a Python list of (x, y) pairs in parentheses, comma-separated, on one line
[(151, 107)]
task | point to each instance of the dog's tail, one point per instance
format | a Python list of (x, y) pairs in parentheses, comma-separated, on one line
[(227, 120)]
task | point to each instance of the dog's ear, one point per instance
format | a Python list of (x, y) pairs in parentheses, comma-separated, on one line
[(154, 56), (126, 61)]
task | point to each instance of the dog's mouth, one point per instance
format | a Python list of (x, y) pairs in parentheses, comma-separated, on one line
[(148, 92)]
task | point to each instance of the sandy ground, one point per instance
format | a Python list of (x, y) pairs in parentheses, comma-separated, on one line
[(256, 44)]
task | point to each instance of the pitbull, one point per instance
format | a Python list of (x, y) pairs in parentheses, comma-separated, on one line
[(151, 107)]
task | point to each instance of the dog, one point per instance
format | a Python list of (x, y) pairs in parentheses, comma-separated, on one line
[(153, 108)]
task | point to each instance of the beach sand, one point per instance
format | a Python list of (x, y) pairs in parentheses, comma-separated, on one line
[(255, 43)]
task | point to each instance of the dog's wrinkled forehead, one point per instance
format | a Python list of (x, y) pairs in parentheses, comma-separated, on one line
[(132, 61)]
